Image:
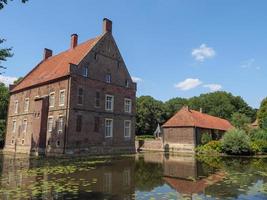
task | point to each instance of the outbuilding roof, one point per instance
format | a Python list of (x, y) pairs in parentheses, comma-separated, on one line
[(191, 118)]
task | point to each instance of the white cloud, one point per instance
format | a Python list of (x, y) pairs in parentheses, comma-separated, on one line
[(136, 79), (188, 84), (7, 79), (250, 64), (203, 52), (213, 87)]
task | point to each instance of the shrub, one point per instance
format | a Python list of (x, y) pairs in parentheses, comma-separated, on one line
[(205, 138), (212, 147), (258, 134), (236, 142), (261, 144)]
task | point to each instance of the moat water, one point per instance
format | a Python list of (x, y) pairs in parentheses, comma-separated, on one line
[(148, 176)]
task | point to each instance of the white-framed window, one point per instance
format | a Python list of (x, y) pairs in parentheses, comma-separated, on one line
[(108, 127), (61, 97), (109, 103), (108, 78), (16, 106), (127, 128), (52, 99), (24, 125), (80, 96), (50, 123), (26, 104), (60, 124), (14, 126), (85, 71), (127, 105)]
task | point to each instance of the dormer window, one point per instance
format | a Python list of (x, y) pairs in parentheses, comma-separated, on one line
[(85, 71), (108, 78)]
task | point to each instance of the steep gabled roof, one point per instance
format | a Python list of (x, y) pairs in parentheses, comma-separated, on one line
[(191, 118), (56, 66)]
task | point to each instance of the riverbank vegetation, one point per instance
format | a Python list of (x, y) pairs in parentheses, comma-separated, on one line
[(243, 140)]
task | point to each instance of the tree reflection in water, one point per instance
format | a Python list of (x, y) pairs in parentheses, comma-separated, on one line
[(140, 176)]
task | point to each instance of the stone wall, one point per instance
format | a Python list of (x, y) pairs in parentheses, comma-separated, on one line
[(149, 145), (179, 139)]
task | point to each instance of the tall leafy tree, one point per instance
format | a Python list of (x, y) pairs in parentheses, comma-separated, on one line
[(240, 120), (173, 105), (150, 112), (222, 104), (262, 114), (4, 54), (4, 97)]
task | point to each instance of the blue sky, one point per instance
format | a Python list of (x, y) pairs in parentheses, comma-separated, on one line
[(174, 48)]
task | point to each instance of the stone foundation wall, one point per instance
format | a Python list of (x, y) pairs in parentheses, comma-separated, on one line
[(150, 145)]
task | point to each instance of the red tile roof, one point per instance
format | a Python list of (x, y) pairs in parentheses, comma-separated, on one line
[(191, 118), (184, 186), (56, 66)]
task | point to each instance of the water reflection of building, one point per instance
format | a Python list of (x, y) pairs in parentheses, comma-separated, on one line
[(114, 180), (189, 176), (185, 174)]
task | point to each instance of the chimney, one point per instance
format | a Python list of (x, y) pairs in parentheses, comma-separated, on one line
[(47, 53), (201, 110), (107, 25), (74, 40)]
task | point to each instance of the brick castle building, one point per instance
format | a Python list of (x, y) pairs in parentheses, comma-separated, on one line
[(79, 101)]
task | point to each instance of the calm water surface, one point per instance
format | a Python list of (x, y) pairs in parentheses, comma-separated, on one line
[(143, 176)]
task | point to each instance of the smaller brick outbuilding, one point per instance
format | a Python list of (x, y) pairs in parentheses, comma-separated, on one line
[(182, 132)]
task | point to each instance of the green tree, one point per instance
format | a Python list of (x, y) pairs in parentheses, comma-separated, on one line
[(240, 120), (4, 97), (4, 54), (150, 112), (18, 80), (173, 105), (221, 104), (3, 3), (262, 114)]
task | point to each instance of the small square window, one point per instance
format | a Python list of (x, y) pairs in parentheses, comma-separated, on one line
[(85, 71), (127, 128), (109, 102), (16, 106), (108, 78), (26, 105), (50, 124), (61, 97), (60, 124), (108, 127), (127, 105), (52, 99)]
